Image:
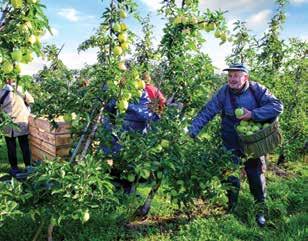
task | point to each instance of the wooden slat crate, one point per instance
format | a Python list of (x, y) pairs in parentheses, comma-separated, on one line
[(47, 142)]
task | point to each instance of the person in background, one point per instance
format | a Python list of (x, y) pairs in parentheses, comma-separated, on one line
[(15, 103), (138, 117)]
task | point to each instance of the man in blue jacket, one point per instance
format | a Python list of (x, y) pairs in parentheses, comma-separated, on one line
[(259, 105)]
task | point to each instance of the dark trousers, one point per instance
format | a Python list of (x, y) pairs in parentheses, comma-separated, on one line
[(11, 149), (255, 169)]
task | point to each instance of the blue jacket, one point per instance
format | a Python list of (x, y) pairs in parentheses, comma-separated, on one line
[(138, 115), (137, 118), (254, 97)]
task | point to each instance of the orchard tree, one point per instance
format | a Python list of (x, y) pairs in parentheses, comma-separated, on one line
[(244, 45), (21, 25)]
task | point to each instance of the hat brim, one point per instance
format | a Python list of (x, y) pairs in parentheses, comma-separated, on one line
[(236, 69)]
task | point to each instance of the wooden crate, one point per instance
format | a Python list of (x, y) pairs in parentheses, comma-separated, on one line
[(47, 142)]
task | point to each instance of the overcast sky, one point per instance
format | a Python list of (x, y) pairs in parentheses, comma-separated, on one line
[(73, 21)]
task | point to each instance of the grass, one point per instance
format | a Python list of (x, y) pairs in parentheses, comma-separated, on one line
[(287, 211)]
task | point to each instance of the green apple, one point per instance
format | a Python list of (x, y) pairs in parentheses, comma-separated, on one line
[(249, 133), (123, 26), (164, 143), (239, 112), (124, 45), (131, 177), (184, 20), (127, 96), (177, 20), (139, 84), (123, 14), (37, 39), (1, 58), (122, 66), (122, 106), (17, 68), (255, 128), (32, 39), (211, 26), (117, 27), (122, 37), (16, 55), (27, 57), (7, 67), (217, 34), (203, 25), (86, 216), (67, 117), (31, 1), (27, 26), (193, 20), (223, 37), (16, 3), (117, 50), (244, 123), (241, 129)]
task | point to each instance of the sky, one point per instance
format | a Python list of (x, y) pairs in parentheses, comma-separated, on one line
[(73, 21)]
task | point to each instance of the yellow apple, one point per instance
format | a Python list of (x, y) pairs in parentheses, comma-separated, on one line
[(16, 3), (7, 67), (139, 84), (124, 45), (122, 37), (122, 106), (27, 57), (122, 66), (117, 50), (123, 14), (117, 27), (211, 26), (193, 20), (32, 39), (17, 68), (177, 20), (16, 55), (123, 26)]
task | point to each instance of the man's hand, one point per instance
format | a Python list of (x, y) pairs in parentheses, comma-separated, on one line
[(246, 116)]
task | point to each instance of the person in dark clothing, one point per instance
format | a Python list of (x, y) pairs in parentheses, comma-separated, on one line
[(137, 119), (259, 106)]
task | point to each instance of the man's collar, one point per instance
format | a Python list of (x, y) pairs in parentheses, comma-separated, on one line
[(241, 91)]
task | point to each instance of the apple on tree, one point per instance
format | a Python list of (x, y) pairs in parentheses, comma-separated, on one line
[(7, 67), (122, 37), (122, 106), (123, 14), (17, 4), (117, 50), (17, 55), (124, 45), (122, 66), (117, 27), (123, 26)]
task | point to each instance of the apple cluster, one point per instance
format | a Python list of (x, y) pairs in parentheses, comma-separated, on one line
[(120, 30), (208, 26), (10, 60), (248, 128)]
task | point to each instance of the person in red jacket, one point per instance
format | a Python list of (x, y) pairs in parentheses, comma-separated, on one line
[(158, 101)]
